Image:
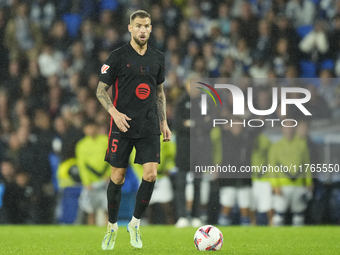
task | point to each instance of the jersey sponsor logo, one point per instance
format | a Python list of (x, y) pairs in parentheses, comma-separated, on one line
[(143, 91), (105, 68)]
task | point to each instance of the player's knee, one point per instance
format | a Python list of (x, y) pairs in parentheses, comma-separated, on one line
[(118, 175), (118, 178), (151, 177)]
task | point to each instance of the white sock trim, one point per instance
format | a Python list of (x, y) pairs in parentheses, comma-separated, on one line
[(113, 226), (134, 222)]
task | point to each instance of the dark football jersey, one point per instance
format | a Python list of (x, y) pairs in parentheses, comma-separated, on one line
[(134, 79)]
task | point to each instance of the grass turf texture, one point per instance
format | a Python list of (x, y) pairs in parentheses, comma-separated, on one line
[(168, 240)]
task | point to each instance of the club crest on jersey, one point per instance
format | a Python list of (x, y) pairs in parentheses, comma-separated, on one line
[(105, 68), (144, 70), (142, 91)]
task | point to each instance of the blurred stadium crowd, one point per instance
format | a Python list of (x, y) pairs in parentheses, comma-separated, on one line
[(51, 53)]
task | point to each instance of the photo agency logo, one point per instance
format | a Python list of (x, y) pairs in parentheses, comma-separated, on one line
[(238, 99)]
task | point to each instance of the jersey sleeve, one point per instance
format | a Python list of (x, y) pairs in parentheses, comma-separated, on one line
[(161, 73), (109, 69)]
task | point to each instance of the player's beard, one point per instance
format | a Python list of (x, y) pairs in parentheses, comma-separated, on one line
[(139, 42)]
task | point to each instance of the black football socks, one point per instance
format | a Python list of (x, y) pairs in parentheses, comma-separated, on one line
[(143, 198), (114, 195)]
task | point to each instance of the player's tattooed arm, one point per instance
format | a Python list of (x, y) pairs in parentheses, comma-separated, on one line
[(161, 103), (161, 110), (119, 118), (103, 96)]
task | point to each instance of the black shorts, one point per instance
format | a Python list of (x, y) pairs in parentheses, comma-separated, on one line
[(119, 150)]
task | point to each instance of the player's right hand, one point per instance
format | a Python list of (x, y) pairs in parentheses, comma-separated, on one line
[(121, 120)]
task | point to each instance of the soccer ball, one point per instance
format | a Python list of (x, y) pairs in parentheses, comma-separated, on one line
[(208, 238)]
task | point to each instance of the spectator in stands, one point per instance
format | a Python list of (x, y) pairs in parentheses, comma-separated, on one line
[(260, 67), (7, 179), (234, 31), (28, 93), (328, 90), (300, 12), (105, 21), (85, 8), (171, 15), (208, 8), (175, 67), (12, 83), (59, 38), (230, 68), (158, 40), (3, 49), (315, 43), (211, 59), (262, 7), (18, 199), (241, 54), (111, 40), (283, 28), (92, 83), (330, 8), (199, 24), (193, 52), (4, 104), (19, 110), (23, 38), (264, 44), (334, 38), (55, 101), (38, 80), (248, 24), (89, 38), (7, 171), (317, 105), (77, 57), (60, 127), (199, 67), (185, 35), (220, 43), (43, 13), (49, 60), (156, 14), (172, 46), (224, 18), (283, 55)]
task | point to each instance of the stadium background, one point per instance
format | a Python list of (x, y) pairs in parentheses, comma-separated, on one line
[(51, 53)]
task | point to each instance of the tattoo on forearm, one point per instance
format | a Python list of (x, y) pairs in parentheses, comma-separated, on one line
[(103, 96), (160, 101)]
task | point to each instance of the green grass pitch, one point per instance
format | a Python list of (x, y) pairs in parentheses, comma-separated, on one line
[(169, 240)]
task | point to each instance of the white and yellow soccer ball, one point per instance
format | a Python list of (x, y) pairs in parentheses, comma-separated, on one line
[(208, 238)]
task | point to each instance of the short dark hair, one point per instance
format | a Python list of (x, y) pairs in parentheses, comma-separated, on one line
[(140, 14)]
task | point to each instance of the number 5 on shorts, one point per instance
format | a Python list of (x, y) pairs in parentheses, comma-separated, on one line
[(114, 145)]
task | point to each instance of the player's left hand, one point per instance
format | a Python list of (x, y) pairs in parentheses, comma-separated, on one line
[(166, 131)]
